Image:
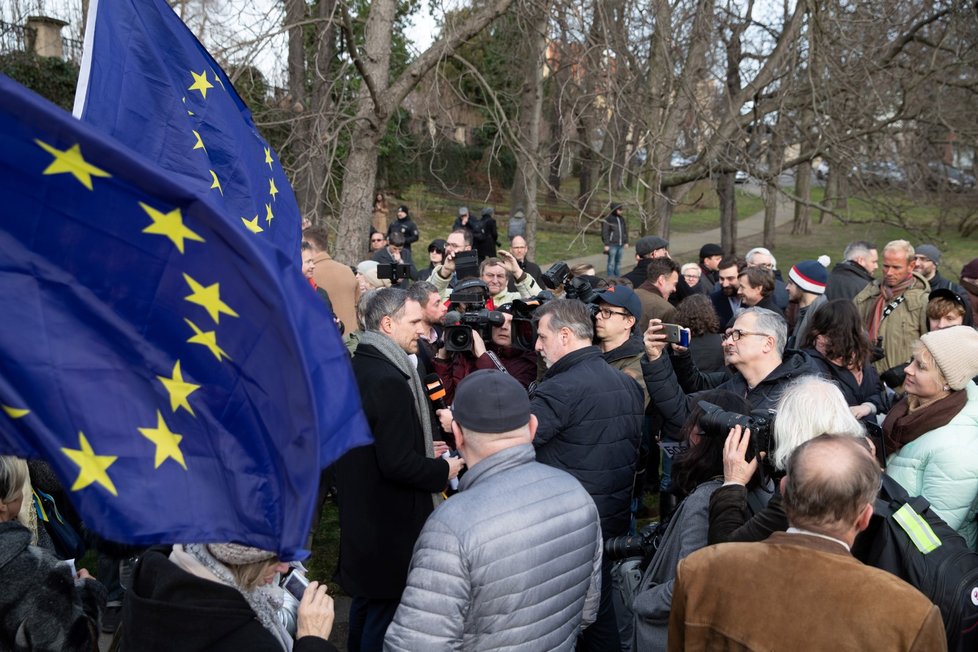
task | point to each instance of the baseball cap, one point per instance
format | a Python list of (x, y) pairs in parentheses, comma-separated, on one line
[(623, 297)]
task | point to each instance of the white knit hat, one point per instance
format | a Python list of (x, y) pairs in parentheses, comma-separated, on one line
[(955, 351)]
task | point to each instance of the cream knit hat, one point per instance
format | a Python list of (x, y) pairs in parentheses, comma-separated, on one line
[(237, 554), (955, 351)]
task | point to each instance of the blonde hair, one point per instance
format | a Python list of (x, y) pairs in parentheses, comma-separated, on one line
[(900, 245), (249, 576)]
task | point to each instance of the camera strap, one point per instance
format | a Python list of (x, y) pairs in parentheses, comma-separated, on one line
[(890, 307), (495, 361)]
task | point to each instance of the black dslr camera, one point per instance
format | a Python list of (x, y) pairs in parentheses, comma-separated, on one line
[(578, 287), (468, 312), (717, 422)]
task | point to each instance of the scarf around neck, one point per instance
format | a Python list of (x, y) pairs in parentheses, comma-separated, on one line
[(397, 357), (902, 426), (887, 294)]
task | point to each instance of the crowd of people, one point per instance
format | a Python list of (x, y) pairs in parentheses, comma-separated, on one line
[(521, 417)]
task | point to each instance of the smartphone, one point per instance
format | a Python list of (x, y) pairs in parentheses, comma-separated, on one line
[(295, 583), (676, 334)]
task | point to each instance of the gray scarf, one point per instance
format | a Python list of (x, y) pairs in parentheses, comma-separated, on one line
[(397, 357), (263, 600)]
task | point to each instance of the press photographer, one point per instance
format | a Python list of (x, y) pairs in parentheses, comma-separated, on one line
[(475, 337)]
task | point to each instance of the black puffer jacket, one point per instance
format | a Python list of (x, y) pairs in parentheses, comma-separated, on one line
[(590, 425)]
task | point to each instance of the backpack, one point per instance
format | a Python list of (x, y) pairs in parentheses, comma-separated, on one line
[(908, 539)]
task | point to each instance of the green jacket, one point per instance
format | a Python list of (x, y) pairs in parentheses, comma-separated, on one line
[(903, 326)]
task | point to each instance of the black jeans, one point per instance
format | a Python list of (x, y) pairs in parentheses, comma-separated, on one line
[(369, 620)]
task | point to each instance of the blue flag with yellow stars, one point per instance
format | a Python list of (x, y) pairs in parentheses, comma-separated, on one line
[(150, 351), (146, 80)]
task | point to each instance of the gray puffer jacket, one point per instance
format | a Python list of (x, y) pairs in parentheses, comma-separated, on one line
[(513, 561)]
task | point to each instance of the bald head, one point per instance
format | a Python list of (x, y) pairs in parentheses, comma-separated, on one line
[(831, 480)]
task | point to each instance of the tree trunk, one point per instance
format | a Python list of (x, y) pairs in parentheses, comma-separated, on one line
[(771, 199), (378, 99), (527, 151), (831, 190), (803, 191), (727, 194)]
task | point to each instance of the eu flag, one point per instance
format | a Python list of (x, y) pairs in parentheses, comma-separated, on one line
[(166, 367), (147, 81)]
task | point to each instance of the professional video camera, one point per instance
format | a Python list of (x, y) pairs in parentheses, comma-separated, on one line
[(523, 330), (468, 312), (579, 287)]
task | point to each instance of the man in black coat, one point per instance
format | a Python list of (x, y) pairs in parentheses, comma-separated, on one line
[(848, 278), (387, 489), (590, 425)]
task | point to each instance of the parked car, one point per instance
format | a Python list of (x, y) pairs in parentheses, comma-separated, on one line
[(880, 173), (940, 175), (741, 176)]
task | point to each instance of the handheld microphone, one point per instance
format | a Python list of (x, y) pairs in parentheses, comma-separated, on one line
[(436, 391)]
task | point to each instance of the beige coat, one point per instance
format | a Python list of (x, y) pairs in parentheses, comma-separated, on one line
[(341, 286)]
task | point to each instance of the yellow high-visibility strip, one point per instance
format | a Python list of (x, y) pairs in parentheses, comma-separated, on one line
[(918, 529)]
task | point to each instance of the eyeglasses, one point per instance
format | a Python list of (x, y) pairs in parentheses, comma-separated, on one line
[(606, 313), (735, 335), (376, 239)]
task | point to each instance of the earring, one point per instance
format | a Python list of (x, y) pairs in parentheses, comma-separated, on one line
[(947, 388)]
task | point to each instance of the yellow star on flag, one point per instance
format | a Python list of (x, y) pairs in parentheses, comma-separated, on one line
[(252, 224), (167, 442), (209, 297), (91, 467), (268, 157), (215, 183), (14, 413), (208, 339), (71, 161), (268, 214), (169, 224), (200, 143), (272, 190), (200, 83), (178, 389)]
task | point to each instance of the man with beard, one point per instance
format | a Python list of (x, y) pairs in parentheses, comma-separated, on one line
[(724, 296)]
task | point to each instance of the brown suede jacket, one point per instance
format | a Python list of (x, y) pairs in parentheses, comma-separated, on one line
[(796, 592)]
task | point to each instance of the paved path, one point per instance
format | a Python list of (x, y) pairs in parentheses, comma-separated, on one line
[(684, 247)]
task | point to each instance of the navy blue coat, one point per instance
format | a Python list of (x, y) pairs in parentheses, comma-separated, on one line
[(590, 425)]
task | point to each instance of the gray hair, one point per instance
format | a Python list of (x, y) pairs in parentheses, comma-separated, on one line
[(858, 249), (421, 291), (769, 323), (810, 406), (761, 250), (13, 475), (568, 313), (377, 304)]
